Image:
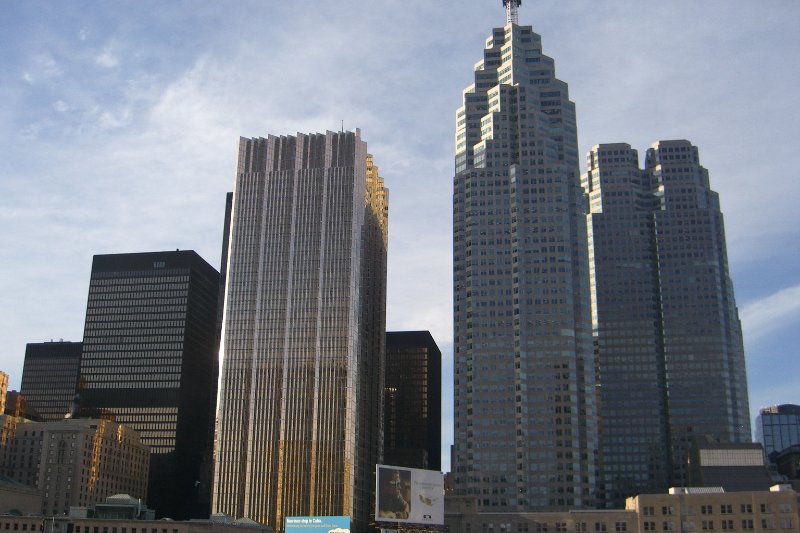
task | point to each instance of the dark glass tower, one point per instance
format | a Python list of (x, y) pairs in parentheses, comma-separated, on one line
[(49, 377), (148, 362), (412, 420), (525, 411), (778, 428), (669, 343), (627, 326)]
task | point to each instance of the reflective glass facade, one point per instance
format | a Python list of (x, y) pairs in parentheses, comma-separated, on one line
[(778, 427), (412, 421), (525, 410), (148, 361), (667, 332), (300, 404), (49, 377), (627, 316)]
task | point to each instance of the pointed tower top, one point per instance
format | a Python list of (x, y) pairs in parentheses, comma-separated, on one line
[(511, 11)]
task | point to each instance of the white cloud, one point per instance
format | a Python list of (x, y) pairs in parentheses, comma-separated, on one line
[(771, 313), (107, 58)]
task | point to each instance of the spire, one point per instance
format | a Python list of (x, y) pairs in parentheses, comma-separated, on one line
[(511, 11)]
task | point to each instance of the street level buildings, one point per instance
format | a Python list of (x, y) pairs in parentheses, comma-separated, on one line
[(49, 378), (667, 333), (76, 462), (149, 350), (679, 510), (300, 404), (525, 412), (412, 421)]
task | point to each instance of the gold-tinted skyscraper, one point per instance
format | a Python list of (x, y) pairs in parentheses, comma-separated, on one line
[(299, 427)]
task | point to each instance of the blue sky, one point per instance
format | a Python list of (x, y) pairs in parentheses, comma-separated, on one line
[(119, 123)]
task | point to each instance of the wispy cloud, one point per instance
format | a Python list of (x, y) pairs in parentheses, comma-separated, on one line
[(771, 313), (107, 59)]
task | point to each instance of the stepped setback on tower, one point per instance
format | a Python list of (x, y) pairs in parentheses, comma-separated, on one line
[(666, 327), (525, 411)]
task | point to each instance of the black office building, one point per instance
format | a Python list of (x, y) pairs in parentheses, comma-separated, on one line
[(412, 434), (149, 355), (49, 375)]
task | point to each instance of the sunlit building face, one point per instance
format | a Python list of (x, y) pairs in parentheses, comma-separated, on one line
[(301, 388)]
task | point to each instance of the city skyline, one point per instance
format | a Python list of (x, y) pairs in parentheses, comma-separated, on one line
[(119, 139)]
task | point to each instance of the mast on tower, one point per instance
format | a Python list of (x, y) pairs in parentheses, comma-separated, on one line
[(512, 7)]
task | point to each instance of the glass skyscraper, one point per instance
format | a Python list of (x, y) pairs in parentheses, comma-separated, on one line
[(525, 412), (778, 428), (300, 405), (667, 332), (49, 378), (148, 357), (412, 422)]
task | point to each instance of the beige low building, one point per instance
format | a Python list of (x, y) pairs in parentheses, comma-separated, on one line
[(76, 462), (682, 510), (699, 509)]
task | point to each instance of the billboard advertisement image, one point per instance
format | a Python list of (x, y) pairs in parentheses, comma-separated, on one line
[(409, 495), (317, 524)]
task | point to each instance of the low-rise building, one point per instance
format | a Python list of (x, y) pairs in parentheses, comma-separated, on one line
[(76, 462), (681, 510)]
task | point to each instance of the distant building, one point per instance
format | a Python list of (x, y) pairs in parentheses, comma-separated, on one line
[(734, 466), (778, 428), (681, 510), (713, 509), (149, 356), (120, 513), (8, 429), (670, 358), (301, 391), (3, 391), (17, 406), (50, 376), (77, 462), (412, 420)]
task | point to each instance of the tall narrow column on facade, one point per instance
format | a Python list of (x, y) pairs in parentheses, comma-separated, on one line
[(525, 410), (627, 326), (669, 343), (299, 426), (703, 346)]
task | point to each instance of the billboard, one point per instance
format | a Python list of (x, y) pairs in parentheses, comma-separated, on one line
[(409, 495), (317, 524)]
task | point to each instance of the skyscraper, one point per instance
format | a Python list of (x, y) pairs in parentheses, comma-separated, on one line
[(669, 343), (301, 388), (525, 411), (148, 362), (627, 325), (412, 422), (49, 378)]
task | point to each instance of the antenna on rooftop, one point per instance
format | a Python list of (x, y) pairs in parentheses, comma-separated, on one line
[(512, 7)]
